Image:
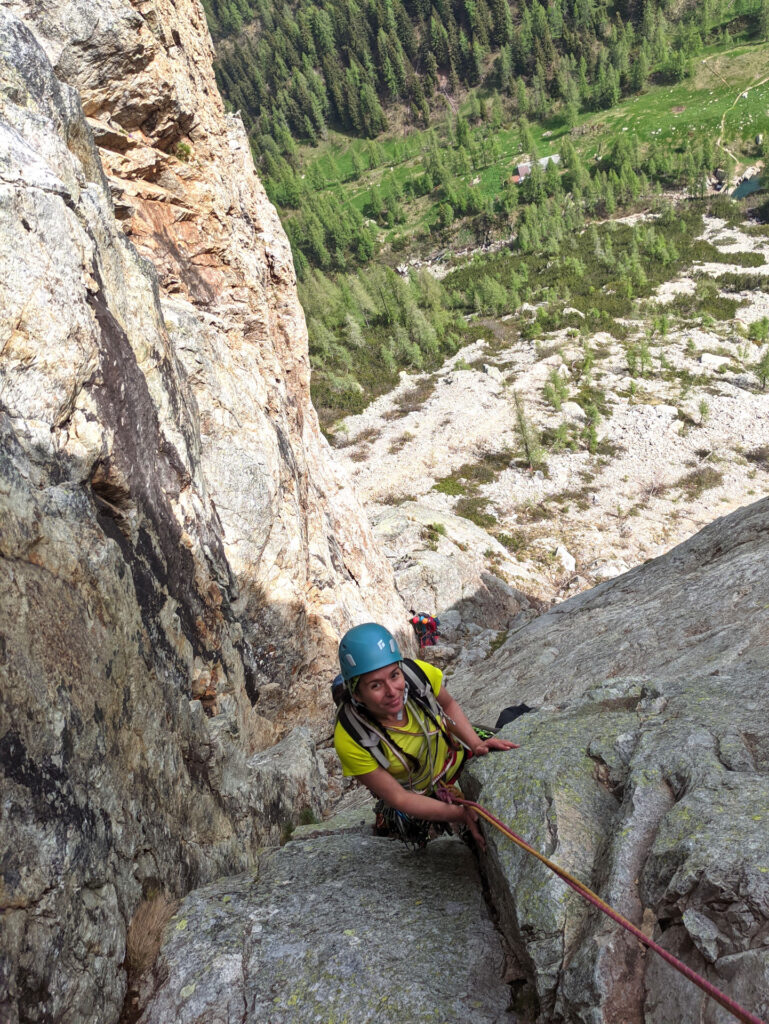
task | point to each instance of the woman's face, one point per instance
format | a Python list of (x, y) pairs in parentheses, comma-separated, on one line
[(381, 691)]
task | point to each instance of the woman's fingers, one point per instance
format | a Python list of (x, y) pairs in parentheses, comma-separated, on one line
[(493, 744), (496, 744), (471, 820)]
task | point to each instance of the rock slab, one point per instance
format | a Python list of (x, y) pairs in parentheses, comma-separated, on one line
[(174, 539), (645, 773), (337, 928)]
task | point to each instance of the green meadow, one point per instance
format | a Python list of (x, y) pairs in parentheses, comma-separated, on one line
[(728, 88)]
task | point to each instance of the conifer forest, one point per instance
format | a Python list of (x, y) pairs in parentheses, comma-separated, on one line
[(499, 142)]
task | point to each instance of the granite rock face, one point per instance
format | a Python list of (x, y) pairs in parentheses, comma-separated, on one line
[(645, 773), (174, 543), (185, 193), (337, 928), (441, 563)]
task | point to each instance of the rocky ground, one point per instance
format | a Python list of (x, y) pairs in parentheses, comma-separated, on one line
[(645, 770), (681, 443), (320, 933)]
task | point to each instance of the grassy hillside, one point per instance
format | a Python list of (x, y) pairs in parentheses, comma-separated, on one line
[(670, 138), (709, 105), (640, 104)]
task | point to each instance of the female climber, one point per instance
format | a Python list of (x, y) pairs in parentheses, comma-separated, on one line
[(401, 733)]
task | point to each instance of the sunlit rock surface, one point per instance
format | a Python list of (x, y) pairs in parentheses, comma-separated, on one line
[(441, 563), (180, 173), (338, 928), (177, 551)]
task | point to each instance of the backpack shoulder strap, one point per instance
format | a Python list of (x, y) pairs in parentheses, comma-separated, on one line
[(416, 677), (423, 695), (361, 732), (420, 688)]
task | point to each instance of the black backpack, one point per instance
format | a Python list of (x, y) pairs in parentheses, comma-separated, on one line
[(367, 734)]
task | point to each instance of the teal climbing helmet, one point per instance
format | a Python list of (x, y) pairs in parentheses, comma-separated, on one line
[(365, 648)]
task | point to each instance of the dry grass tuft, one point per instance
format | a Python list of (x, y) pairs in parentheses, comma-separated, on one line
[(654, 488), (759, 457), (146, 931), (703, 478), (412, 400)]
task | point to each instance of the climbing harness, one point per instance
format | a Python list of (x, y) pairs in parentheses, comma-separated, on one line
[(451, 796), (413, 832)]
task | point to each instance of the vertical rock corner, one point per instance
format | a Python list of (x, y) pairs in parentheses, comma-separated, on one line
[(174, 537)]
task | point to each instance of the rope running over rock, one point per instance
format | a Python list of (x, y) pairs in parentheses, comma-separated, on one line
[(451, 796)]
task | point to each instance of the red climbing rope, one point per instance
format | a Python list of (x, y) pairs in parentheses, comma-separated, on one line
[(729, 1004)]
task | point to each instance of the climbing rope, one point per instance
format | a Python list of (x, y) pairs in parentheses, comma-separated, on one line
[(452, 796)]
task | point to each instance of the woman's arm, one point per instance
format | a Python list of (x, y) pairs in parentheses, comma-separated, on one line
[(465, 732), (385, 787)]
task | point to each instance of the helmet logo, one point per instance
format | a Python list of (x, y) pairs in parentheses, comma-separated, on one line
[(365, 648)]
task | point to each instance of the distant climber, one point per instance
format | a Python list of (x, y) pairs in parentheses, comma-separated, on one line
[(401, 733), (426, 628)]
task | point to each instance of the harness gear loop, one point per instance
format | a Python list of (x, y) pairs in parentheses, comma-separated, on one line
[(741, 1014)]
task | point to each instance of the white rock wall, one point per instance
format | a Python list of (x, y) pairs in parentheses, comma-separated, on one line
[(177, 552)]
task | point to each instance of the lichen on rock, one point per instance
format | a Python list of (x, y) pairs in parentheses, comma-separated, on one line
[(340, 928), (645, 774)]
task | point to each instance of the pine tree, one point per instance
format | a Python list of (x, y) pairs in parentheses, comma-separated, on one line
[(527, 434), (439, 42), (475, 63), (430, 77), (453, 80), (323, 31), (388, 76), (463, 133), (763, 20), (553, 185), (640, 70), (496, 113), (445, 215), (405, 30), (609, 200), (528, 145), (502, 24)]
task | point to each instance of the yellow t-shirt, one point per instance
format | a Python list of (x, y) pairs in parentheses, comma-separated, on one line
[(411, 739)]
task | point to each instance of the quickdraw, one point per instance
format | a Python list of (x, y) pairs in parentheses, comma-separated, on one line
[(414, 832)]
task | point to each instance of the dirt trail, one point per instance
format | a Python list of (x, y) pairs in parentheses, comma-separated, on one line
[(742, 93)]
